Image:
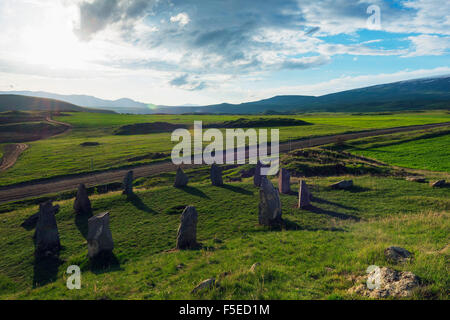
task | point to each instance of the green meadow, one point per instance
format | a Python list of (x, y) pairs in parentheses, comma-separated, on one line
[(64, 154)]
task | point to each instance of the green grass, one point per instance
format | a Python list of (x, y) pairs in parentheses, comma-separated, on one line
[(428, 150), (63, 155), (312, 258)]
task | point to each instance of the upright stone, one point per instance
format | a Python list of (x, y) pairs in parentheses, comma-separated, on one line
[(82, 204), (216, 175), (304, 196), (47, 235), (99, 236), (284, 181), (257, 175), (269, 204), (181, 179), (128, 184), (187, 231)]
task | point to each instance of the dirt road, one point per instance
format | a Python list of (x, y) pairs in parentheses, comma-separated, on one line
[(10, 155), (58, 184)]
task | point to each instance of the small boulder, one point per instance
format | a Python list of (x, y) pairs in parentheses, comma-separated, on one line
[(46, 234), (416, 179), (181, 179), (397, 254), (304, 196), (437, 184), (284, 181), (204, 285), (269, 204), (187, 231), (257, 175), (344, 184), (255, 267), (82, 204), (99, 236), (128, 184), (216, 175)]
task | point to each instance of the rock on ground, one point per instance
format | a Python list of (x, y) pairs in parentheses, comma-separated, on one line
[(181, 179), (269, 204), (284, 181), (304, 196), (99, 235), (216, 175), (187, 231), (415, 179), (397, 254), (82, 204), (128, 184), (438, 183), (387, 282), (46, 234), (344, 184), (255, 267), (206, 284)]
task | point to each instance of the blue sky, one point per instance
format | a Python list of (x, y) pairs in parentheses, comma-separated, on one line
[(173, 52)]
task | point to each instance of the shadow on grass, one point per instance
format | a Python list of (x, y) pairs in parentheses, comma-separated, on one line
[(291, 225), (194, 192), (105, 262), (333, 214), (323, 201), (45, 270), (139, 204), (81, 221), (237, 189)]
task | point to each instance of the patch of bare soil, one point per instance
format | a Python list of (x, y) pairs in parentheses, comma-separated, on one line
[(10, 155)]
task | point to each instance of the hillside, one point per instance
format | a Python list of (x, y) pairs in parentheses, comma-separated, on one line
[(10, 102)]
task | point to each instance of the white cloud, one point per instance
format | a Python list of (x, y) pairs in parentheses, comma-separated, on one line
[(428, 45), (181, 18)]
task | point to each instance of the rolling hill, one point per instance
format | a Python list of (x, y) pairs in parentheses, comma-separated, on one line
[(9, 102)]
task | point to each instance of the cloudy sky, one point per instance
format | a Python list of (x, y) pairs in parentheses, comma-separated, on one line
[(209, 51)]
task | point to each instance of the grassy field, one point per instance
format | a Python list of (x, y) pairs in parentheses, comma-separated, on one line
[(64, 154), (314, 257), (428, 150)]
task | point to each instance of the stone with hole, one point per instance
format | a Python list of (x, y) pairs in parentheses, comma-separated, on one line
[(82, 204), (187, 231), (99, 235)]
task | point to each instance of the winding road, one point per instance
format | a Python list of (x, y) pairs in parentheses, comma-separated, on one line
[(66, 183)]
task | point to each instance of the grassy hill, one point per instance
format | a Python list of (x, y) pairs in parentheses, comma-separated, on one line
[(9, 102)]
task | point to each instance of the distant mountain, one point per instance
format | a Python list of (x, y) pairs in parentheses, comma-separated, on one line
[(122, 105), (9, 102), (417, 94)]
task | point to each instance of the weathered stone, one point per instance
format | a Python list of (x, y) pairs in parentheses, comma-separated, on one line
[(269, 204), (284, 181), (99, 236), (386, 282), (187, 231), (181, 179), (304, 196), (344, 184), (416, 179), (206, 284), (438, 183), (82, 204), (255, 267), (397, 254), (46, 234), (128, 184), (216, 175), (257, 175)]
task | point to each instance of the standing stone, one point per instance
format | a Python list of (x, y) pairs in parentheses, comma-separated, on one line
[(284, 181), (82, 204), (257, 175), (304, 196), (181, 179), (47, 235), (128, 184), (269, 204), (99, 236), (438, 183), (344, 184), (216, 175), (187, 231)]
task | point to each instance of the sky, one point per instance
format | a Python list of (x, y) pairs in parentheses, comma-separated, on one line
[(199, 52)]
